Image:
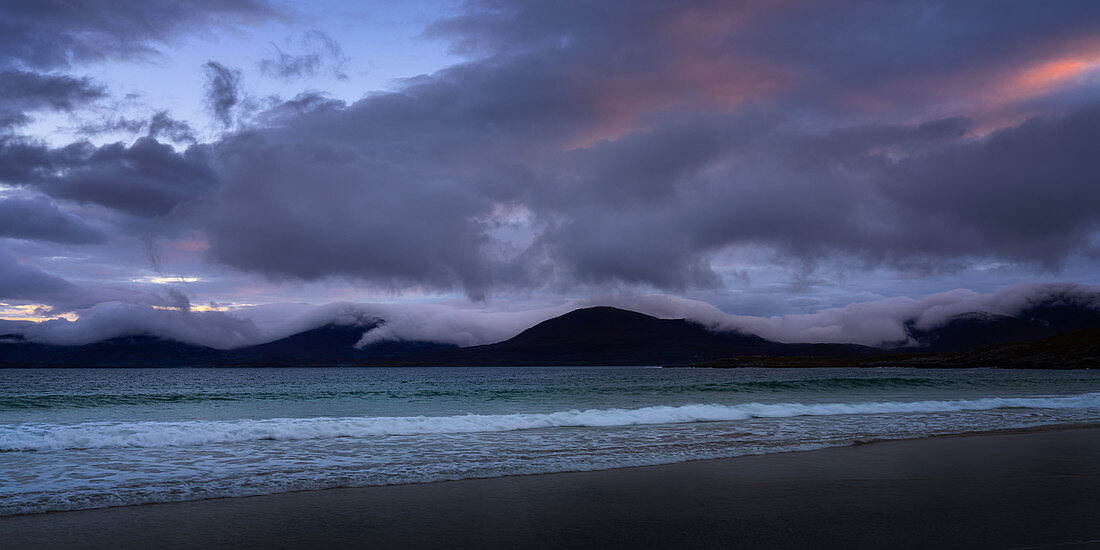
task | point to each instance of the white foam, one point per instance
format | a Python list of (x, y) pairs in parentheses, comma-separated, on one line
[(101, 435)]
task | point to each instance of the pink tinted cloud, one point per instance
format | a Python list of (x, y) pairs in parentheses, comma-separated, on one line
[(690, 66), (995, 95)]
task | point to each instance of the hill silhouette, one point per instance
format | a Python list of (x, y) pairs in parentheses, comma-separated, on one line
[(595, 336)]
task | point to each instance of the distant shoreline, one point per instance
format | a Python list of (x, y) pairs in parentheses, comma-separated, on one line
[(1006, 488)]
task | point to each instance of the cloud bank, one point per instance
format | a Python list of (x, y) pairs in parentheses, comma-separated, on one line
[(881, 322), (581, 148), (604, 146)]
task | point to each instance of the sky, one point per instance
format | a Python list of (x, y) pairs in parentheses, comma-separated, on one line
[(223, 171)]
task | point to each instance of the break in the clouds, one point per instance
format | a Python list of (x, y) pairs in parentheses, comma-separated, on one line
[(566, 150), (53, 295), (40, 41)]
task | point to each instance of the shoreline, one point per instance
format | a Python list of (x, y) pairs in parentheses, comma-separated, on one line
[(853, 443), (687, 500)]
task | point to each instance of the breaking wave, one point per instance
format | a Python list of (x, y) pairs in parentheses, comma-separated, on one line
[(103, 435)]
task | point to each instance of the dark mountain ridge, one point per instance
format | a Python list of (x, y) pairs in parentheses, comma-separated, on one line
[(972, 330), (610, 336), (138, 350), (1079, 349), (1067, 350), (330, 345), (589, 336)]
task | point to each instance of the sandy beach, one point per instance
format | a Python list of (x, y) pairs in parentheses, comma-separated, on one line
[(1031, 489)]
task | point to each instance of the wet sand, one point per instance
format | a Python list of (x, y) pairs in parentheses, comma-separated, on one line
[(1031, 489)]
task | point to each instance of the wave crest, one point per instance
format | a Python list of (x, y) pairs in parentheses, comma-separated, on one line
[(102, 435)]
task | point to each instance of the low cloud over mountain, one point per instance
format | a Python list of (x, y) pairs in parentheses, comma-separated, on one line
[(888, 323)]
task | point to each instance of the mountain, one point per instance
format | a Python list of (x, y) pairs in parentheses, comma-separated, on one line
[(1070, 350), (1078, 349), (125, 351), (329, 345), (611, 336), (974, 330), (589, 336)]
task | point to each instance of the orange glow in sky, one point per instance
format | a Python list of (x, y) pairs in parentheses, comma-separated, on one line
[(1044, 76)]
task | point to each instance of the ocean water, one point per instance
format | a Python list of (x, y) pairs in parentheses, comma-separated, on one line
[(88, 438)]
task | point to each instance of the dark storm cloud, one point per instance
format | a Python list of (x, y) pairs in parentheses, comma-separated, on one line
[(396, 189), (358, 216), (858, 43), (146, 179), (40, 219), (23, 92), (883, 55), (1029, 193), (222, 90), (22, 160), (40, 39), (23, 282), (50, 34), (639, 216), (629, 144), (320, 55), (31, 90), (900, 195), (633, 142), (1025, 194)]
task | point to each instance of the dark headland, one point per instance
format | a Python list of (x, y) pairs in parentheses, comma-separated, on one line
[(1079, 349), (1054, 335)]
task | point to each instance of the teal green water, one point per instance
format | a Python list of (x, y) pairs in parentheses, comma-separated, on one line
[(84, 438)]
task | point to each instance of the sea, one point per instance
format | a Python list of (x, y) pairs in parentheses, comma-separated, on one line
[(90, 438)]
